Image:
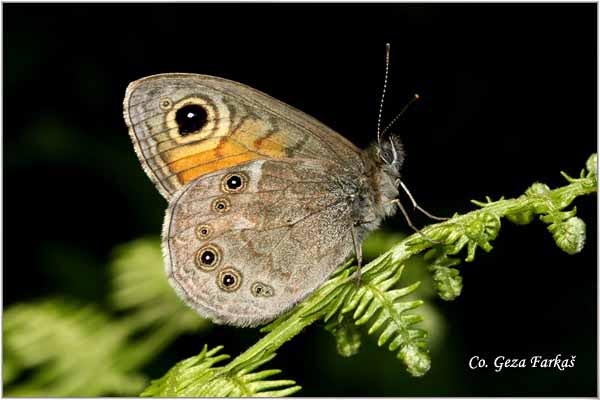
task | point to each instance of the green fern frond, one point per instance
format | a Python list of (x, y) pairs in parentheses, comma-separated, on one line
[(448, 282), (69, 347), (347, 335), (376, 301), (198, 377), (62, 342)]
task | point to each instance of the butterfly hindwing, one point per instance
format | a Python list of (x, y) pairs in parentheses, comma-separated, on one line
[(246, 243)]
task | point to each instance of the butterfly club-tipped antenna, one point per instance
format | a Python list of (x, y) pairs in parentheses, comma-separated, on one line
[(401, 113), (395, 155), (399, 181)]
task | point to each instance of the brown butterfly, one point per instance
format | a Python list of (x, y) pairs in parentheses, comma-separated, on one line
[(265, 202)]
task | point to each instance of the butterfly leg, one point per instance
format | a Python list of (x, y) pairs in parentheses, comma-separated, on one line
[(415, 205), (414, 228), (358, 252)]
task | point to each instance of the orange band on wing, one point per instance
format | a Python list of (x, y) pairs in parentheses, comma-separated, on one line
[(227, 154)]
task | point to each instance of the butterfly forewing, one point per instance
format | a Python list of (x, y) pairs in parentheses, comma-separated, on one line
[(185, 125)]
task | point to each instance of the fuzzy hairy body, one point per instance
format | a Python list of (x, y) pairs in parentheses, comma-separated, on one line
[(375, 192)]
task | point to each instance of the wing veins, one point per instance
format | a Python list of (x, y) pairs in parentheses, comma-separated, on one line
[(237, 194)]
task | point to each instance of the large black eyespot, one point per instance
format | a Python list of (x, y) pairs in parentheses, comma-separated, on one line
[(221, 205), (208, 257), (190, 119), (234, 182), (229, 279)]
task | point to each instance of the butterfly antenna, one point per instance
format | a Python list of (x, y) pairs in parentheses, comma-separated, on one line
[(410, 102), (385, 80)]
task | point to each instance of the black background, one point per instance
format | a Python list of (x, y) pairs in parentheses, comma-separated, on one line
[(508, 98)]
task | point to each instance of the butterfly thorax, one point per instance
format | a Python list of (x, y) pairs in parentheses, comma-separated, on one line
[(378, 187)]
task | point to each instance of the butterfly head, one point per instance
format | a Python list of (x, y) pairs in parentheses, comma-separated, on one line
[(391, 153)]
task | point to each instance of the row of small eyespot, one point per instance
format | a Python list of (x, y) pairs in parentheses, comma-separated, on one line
[(208, 257)]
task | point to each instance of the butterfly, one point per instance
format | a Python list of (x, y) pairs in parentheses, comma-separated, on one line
[(265, 202)]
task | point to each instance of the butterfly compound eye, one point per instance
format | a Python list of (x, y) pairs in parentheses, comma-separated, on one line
[(229, 279), (190, 119)]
